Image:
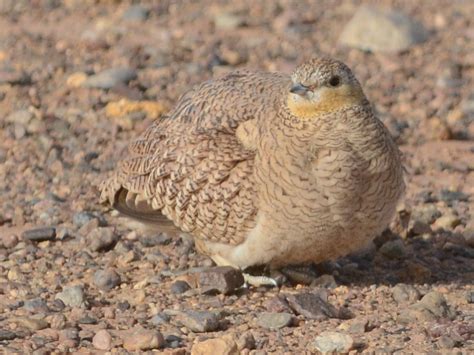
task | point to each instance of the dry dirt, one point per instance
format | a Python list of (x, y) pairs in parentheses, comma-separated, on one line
[(87, 282)]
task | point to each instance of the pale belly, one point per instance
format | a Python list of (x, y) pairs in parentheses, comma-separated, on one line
[(322, 241)]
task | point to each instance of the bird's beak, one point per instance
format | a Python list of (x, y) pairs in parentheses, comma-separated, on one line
[(299, 89)]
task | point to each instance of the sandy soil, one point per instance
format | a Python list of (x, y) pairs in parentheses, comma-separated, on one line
[(74, 277)]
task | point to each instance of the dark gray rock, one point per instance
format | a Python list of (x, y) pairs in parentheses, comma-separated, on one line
[(451, 196), (419, 228), (160, 318), (222, 279), (393, 249), (106, 279), (155, 239), (199, 321), (80, 219), (179, 287), (277, 304), (40, 234), (312, 306), (87, 320), (102, 239), (326, 281), (6, 335), (36, 305)]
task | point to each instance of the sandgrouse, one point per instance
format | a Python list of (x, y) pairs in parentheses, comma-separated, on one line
[(266, 168)]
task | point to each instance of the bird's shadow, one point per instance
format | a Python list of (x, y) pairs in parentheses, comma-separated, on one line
[(390, 261), (435, 260)]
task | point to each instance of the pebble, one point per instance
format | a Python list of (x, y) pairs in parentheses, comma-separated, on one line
[(36, 305), (312, 306), (14, 77), (106, 279), (470, 297), (80, 219), (468, 236), (71, 334), (228, 21), (40, 234), (393, 249), (76, 80), (87, 320), (143, 339), (271, 320), (450, 196), (277, 304), (419, 228), (333, 343), (246, 341), (8, 241), (222, 279), (199, 321), (72, 296), (450, 76), (325, 281), (467, 105), (355, 326), (446, 342), (6, 335), (102, 239), (426, 214), (179, 287), (57, 321), (174, 341), (152, 240), (447, 222), (431, 307), (109, 78), (102, 340), (136, 13), (160, 318), (380, 30), (402, 293), (32, 323), (56, 305), (224, 345), (22, 117)]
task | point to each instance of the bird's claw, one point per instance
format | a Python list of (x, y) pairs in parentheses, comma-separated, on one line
[(258, 281)]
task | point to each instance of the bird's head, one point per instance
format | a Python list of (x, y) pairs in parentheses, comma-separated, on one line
[(322, 86)]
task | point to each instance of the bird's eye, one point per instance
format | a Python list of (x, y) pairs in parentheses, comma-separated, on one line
[(334, 81)]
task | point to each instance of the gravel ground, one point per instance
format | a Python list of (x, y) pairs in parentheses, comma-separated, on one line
[(79, 79)]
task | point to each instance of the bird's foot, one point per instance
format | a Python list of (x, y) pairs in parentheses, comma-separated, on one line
[(260, 280)]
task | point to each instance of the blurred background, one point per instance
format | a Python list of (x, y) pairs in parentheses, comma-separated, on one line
[(80, 78)]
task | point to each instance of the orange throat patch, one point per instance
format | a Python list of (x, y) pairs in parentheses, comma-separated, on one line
[(330, 100)]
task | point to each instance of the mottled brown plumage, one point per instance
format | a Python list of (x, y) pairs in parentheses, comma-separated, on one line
[(264, 168)]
